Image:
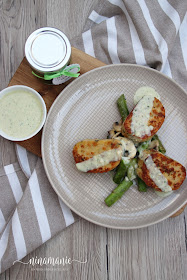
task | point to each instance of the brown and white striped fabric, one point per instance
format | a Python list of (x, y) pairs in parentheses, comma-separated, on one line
[(146, 32), (31, 212)]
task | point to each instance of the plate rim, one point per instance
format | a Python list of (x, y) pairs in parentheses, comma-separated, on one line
[(45, 165)]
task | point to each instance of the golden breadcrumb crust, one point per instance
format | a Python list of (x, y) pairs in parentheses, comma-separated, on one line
[(157, 116), (174, 172), (88, 148)]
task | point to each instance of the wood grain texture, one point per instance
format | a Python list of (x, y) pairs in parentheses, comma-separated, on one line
[(179, 211), (24, 76), (83, 242), (17, 20), (157, 252), (69, 15)]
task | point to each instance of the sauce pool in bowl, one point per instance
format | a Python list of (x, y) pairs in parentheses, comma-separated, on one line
[(22, 113)]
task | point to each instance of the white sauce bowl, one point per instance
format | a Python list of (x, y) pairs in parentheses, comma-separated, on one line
[(12, 114)]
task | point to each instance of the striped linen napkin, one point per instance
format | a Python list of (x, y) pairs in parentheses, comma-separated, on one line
[(145, 32)]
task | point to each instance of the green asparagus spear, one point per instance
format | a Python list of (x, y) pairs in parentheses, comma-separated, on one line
[(143, 146), (118, 192), (160, 147), (120, 172), (122, 106), (131, 174), (142, 187), (133, 162)]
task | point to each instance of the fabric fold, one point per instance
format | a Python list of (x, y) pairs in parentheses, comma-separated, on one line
[(34, 218)]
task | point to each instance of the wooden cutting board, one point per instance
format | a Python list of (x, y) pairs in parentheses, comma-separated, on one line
[(24, 76)]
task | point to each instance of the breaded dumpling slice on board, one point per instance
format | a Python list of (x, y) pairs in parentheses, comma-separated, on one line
[(97, 156), (160, 172), (144, 120)]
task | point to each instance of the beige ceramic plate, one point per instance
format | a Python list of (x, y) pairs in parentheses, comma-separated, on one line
[(86, 109)]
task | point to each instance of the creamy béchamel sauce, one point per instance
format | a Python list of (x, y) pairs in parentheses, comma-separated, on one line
[(21, 113), (140, 117), (100, 160), (156, 175)]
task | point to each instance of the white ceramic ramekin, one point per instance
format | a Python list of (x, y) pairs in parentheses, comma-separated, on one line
[(43, 106)]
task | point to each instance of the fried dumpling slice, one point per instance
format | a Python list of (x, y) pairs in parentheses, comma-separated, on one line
[(144, 120), (160, 172), (97, 156)]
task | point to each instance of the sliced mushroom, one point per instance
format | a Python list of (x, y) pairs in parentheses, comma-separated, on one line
[(129, 150), (117, 134), (117, 127), (154, 145), (116, 130), (111, 134)]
